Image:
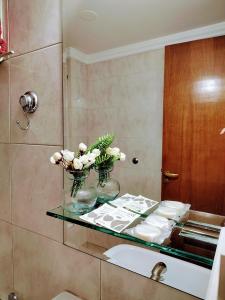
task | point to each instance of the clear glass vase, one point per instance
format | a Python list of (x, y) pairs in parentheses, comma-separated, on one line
[(107, 187), (81, 197)]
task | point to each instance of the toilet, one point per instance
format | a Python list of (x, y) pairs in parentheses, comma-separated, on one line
[(66, 296)]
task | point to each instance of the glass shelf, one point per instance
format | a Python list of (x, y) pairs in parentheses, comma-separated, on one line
[(192, 247)]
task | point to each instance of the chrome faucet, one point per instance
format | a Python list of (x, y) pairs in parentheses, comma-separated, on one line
[(158, 270), (12, 296)]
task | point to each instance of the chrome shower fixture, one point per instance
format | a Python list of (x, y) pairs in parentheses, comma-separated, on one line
[(29, 104)]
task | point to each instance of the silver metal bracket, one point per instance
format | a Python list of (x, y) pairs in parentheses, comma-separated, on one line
[(29, 104)]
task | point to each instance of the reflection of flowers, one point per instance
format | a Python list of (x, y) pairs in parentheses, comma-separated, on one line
[(108, 155), (106, 158), (99, 155), (122, 156), (116, 153), (70, 162), (82, 147)]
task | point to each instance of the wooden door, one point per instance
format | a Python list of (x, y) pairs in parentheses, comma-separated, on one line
[(194, 118)]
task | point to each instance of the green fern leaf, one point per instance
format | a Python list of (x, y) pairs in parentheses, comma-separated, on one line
[(102, 159), (102, 143)]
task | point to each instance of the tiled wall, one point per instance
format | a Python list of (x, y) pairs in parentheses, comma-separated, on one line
[(125, 97), (33, 260)]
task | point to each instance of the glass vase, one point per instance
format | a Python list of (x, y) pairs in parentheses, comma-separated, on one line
[(107, 188), (81, 197)]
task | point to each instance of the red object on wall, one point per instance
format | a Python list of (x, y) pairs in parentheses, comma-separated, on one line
[(3, 43)]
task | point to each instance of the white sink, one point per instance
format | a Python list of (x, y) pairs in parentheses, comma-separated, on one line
[(214, 287), (181, 275)]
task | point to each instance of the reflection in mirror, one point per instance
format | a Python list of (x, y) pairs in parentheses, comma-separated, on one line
[(1, 20), (3, 31), (164, 104)]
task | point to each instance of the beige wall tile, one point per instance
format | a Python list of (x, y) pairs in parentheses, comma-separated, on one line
[(5, 202), (4, 98), (44, 268), (36, 187), (136, 180), (34, 24), (41, 72), (107, 93), (6, 268), (77, 69), (145, 62), (78, 93), (120, 284), (78, 123), (125, 97), (98, 70)]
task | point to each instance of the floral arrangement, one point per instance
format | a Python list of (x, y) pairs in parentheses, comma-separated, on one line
[(70, 162), (98, 155), (108, 156)]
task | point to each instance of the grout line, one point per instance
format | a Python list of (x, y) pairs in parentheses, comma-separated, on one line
[(9, 98), (4, 221), (100, 281), (37, 233), (13, 259), (32, 51), (28, 144)]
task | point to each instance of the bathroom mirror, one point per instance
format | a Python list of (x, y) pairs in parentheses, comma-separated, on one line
[(119, 78)]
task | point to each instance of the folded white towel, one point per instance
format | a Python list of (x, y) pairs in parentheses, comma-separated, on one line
[(66, 296)]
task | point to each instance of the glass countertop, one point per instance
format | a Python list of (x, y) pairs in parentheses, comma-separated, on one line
[(192, 246)]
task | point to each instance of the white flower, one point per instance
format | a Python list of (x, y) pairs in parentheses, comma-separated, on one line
[(82, 147), (109, 151), (96, 152), (122, 156), (91, 157), (91, 160), (68, 155), (83, 159), (77, 164), (113, 151), (89, 164), (57, 156), (52, 160)]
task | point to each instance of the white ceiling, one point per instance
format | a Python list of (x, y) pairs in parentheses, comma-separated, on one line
[(123, 22)]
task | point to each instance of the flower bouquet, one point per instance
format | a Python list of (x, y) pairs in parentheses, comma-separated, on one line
[(99, 156), (81, 197), (107, 188)]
